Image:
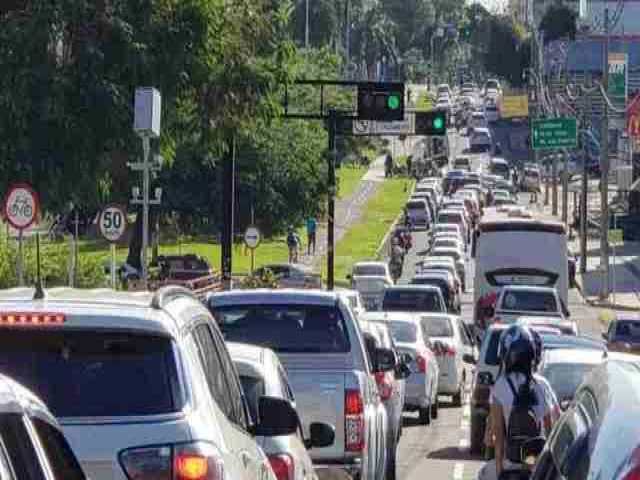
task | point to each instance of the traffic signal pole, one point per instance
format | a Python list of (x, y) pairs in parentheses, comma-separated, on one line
[(604, 167)]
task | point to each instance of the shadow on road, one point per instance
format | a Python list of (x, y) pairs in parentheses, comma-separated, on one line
[(454, 454)]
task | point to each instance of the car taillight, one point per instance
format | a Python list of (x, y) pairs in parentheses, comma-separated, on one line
[(190, 461), (353, 421), (30, 319), (385, 386), (421, 362), (282, 466)]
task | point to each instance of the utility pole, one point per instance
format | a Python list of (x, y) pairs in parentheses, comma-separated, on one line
[(306, 24), (565, 190), (347, 36), (604, 167), (585, 179), (554, 184), (331, 164), (228, 207)]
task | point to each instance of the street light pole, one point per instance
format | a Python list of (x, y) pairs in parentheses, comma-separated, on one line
[(604, 162), (306, 24)]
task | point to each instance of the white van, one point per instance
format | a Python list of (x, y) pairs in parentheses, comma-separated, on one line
[(531, 252)]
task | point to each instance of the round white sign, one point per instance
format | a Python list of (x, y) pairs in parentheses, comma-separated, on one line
[(21, 206), (252, 237), (113, 223)]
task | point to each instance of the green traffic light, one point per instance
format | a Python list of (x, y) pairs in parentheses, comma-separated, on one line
[(438, 123), (393, 102)]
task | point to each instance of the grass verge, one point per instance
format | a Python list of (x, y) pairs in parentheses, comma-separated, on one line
[(363, 239), (349, 177)]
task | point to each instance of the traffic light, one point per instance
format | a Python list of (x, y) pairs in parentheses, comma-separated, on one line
[(383, 102), (431, 123)]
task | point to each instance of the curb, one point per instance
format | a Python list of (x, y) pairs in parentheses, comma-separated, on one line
[(594, 302)]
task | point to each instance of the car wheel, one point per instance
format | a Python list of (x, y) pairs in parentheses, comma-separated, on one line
[(457, 398), (434, 408), (390, 474), (425, 416), (477, 436)]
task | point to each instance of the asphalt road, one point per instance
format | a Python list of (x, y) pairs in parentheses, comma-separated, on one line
[(441, 451)]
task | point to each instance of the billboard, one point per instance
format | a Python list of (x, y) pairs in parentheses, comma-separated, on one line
[(514, 106)]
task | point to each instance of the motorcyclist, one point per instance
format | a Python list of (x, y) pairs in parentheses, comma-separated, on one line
[(519, 351), (396, 259), (388, 165)]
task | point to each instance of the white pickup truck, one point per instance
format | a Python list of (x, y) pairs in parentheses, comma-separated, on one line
[(321, 347)]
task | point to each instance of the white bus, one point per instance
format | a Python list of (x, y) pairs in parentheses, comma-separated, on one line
[(511, 248)]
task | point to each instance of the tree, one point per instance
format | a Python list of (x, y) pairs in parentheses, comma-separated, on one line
[(506, 54), (558, 22)]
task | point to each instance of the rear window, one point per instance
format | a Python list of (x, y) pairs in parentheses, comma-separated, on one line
[(404, 332), (285, 328), (375, 270), (499, 167), (566, 378), (437, 326), (436, 282), (253, 389), (529, 301), (449, 218), (416, 205), (411, 301), (88, 374), (628, 330)]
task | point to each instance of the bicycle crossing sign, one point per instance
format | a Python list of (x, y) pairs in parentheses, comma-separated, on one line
[(21, 206)]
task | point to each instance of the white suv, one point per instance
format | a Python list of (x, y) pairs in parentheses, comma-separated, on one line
[(141, 383)]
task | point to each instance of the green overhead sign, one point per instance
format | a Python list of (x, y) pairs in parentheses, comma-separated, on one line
[(554, 133), (618, 76)]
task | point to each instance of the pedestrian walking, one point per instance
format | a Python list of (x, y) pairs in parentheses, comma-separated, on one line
[(312, 226), (293, 242)]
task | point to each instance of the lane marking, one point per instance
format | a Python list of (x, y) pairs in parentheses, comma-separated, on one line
[(458, 471)]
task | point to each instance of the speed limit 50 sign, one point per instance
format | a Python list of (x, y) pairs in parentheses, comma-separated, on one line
[(113, 223)]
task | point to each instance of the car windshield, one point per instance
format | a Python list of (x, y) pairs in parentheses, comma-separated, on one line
[(437, 326), (253, 389), (404, 332), (398, 300), (416, 205), (628, 330), (91, 374), (369, 270), (565, 378), (449, 218), (285, 328), (529, 301)]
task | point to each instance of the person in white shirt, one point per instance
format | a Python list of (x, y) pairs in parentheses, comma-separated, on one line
[(519, 351)]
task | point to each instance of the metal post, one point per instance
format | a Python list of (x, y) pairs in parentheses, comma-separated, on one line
[(565, 191), (604, 162), (347, 36), (114, 278), (145, 210), (228, 201), (75, 247), (554, 192), (331, 159), (19, 266), (306, 24), (613, 268), (585, 183)]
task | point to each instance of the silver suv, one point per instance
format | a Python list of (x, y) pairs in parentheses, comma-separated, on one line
[(141, 383)]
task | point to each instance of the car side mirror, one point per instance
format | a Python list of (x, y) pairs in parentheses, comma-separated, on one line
[(276, 417), (321, 435), (468, 358), (531, 450), (385, 360)]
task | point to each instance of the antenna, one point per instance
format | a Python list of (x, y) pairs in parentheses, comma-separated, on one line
[(39, 293)]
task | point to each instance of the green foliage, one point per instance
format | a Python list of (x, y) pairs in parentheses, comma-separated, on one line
[(265, 280), (559, 21)]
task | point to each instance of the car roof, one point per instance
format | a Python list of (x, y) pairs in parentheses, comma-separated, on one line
[(370, 264), (573, 356), (448, 210), (447, 225), (498, 160), (273, 297), (153, 312), (552, 341), (412, 288), (244, 351), (15, 398), (387, 317)]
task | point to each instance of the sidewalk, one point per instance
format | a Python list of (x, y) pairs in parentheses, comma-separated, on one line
[(624, 267)]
